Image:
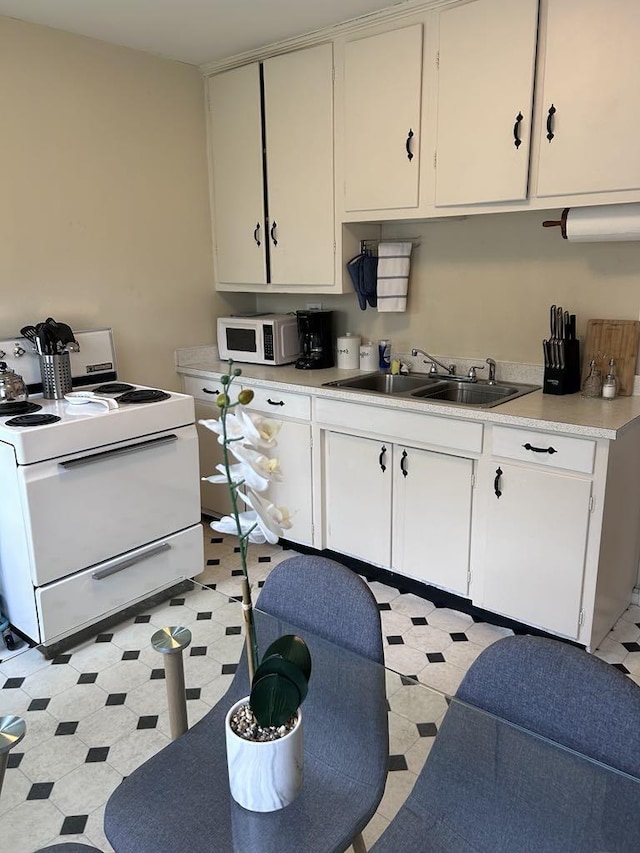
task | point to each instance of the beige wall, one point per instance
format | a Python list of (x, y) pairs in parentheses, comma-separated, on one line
[(104, 214), (482, 286)]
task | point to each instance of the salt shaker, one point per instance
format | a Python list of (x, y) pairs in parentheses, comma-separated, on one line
[(610, 384)]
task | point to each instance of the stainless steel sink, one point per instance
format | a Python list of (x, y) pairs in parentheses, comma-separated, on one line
[(384, 383), (456, 392), (474, 393)]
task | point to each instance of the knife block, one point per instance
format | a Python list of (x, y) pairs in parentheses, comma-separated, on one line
[(564, 380)]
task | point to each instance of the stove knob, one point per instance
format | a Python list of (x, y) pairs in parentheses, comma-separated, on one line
[(18, 351), (2, 354)]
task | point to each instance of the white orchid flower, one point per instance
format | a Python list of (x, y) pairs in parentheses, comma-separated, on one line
[(248, 525), (272, 520), (259, 432)]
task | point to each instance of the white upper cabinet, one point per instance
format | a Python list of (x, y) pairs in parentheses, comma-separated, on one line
[(382, 114), (486, 65), (235, 138), (589, 96), (273, 215), (298, 98)]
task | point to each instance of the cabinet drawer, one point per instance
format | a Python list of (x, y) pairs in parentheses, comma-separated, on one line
[(543, 448), (81, 599), (284, 404), (202, 389)]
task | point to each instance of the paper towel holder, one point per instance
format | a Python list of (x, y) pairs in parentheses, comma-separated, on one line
[(558, 223)]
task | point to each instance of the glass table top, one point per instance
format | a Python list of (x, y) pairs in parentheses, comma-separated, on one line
[(86, 709)]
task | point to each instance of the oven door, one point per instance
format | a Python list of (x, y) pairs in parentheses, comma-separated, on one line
[(88, 507)]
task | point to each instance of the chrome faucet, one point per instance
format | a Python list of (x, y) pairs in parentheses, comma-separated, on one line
[(492, 371), (451, 369), (471, 375)]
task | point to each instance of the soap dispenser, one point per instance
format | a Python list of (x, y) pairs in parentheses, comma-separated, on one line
[(610, 384)]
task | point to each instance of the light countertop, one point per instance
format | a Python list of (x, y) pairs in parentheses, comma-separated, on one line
[(570, 413)]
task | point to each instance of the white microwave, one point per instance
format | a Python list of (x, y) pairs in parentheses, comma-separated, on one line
[(259, 339)]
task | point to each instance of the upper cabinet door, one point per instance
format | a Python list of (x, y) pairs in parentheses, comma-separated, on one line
[(382, 97), (590, 85), (236, 162), (298, 94), (485, 92)]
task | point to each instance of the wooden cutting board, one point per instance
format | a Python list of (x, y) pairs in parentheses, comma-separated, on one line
[(613, 339)]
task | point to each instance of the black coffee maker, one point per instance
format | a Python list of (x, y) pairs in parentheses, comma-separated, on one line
[(315, 329)]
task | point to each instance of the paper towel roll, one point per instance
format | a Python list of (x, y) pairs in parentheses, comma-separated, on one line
[(603, 223), (348, 350)]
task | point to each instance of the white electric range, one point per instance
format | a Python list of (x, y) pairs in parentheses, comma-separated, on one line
[(101, 501)]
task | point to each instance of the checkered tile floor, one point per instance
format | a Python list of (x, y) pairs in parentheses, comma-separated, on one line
[(99, 710)]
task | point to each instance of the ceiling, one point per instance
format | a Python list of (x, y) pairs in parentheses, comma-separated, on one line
[(193, 31)]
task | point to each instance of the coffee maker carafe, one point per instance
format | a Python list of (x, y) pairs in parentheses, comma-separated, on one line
[(315, 328)]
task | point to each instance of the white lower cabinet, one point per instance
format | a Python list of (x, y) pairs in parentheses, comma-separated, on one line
[(536, 529), (399, 507), (293, 412)]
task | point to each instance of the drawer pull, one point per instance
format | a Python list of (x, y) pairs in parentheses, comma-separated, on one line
[(381, 458), (275, 402), (550, 450), (496, 482), (403, 463), (130, 561), (209, 391), (273, 233), (118, 451), (256, 234)]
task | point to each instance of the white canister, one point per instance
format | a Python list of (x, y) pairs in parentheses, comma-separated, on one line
[(368, 356), (348, 351)]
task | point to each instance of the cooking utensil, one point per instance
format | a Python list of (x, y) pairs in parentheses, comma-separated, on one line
[(560, 323), (29, 332), (552, 320)]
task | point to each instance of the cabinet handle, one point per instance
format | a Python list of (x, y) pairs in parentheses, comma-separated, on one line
[(550, 115), (496, 482), (275, 402), (383, 453), (256, 234), (209, 391), (273, 233), (403, 463), (550, 450), (516, 130), (408, 145)]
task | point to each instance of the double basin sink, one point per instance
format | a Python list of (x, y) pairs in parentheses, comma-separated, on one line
[(453, 390)]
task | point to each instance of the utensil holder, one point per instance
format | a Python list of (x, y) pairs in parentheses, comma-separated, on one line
[(56, 375), (564, 380)]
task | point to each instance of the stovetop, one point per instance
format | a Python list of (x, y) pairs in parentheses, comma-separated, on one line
[(76, 426)]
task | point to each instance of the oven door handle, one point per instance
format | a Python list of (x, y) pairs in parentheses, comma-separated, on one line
[(130, 561), (118, 451)]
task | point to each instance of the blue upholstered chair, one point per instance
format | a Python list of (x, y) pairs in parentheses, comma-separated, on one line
[(488, 787), (179, 800)]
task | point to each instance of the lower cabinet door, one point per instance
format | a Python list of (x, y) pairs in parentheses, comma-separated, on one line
[(294, 490), (432, 517), (536, 537), (214, 498), (358, 474)]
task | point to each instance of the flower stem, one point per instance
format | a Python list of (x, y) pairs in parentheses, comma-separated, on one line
[(247, 604)]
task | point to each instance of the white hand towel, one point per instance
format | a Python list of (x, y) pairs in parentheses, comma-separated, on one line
[(394, 261)]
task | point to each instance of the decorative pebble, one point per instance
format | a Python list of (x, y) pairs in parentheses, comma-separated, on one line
[(245, 725)]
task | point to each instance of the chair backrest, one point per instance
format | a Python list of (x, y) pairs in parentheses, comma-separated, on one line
[(562, 693), (329, 600)]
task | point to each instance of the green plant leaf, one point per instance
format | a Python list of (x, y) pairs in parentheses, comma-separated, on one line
[(274, 698), (281, 666), (293, 649)]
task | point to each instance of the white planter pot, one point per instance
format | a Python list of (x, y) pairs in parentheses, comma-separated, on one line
[(264, 777)]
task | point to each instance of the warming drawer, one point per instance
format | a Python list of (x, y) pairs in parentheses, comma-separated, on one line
[(69, 604), (84, 508)]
